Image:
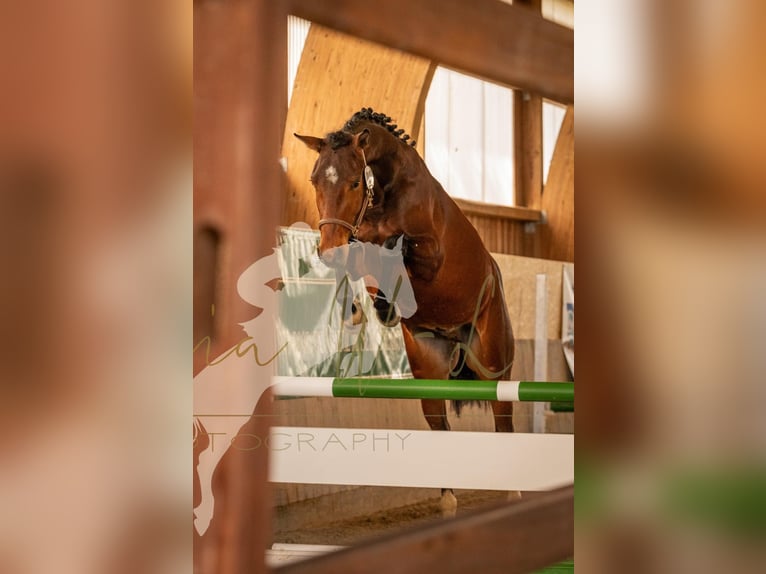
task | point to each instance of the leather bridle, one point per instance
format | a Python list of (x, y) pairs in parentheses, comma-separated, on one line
[(369, 182)]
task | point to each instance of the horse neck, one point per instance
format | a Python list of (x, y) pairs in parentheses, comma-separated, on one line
[(412, 182)]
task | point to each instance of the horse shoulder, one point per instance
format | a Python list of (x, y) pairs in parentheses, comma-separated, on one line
[(423, 256)]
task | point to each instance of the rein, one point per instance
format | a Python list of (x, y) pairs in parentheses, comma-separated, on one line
[(369, 182)]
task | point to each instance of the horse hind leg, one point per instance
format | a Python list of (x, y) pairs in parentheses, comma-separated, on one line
[(503, 414)]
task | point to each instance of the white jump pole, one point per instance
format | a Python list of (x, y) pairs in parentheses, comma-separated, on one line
[(427, 459)]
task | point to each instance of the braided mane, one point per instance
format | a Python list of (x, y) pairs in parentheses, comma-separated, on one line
[(368, 115)]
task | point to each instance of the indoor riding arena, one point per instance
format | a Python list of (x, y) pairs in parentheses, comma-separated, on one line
[(383, 286)]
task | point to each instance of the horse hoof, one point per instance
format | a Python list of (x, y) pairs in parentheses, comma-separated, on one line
[(388, 313), (448, 504), (357, 315), (387, 321)]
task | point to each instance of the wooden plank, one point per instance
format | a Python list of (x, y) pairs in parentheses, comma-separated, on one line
[(507, 44), (499, 233), (512, 538), (500, 211)]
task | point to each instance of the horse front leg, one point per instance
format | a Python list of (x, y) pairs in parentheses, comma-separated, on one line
[(429, 358)]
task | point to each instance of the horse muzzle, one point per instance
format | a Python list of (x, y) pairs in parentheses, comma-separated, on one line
[(332, 241)]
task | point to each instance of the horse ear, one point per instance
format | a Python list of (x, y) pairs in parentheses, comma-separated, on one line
[(311, 142), (362, 139)]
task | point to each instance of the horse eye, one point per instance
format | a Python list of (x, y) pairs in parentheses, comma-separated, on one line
[(355, 184)]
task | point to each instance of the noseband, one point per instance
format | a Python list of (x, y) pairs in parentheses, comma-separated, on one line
[(369, 182)]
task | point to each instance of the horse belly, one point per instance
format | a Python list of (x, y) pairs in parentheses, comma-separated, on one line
[(440, 310)]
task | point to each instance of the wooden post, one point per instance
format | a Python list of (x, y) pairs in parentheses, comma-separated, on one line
[(240, 67), (528, 149)]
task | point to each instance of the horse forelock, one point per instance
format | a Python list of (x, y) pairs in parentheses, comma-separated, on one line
[(339, 139)]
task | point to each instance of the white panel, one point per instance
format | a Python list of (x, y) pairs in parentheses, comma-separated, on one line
[(498, 145), (553, 116), (611, 69), (437, 132), (466, 137), (469, 137), (541, 348), (302, 386), (425, 459), (297, 30), (559, 11)]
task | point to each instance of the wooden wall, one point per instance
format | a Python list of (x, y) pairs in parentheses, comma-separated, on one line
[(557, 235), (337, 75), (508, 230)]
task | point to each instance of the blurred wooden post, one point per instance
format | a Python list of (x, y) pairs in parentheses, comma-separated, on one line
[(240, 97), (512, 538)]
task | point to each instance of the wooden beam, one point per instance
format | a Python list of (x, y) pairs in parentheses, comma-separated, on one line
[(528, 138), (528, 148), (469, 207), (512, 538), (507, 44)]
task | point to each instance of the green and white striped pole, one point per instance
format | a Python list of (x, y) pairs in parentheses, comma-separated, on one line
[(423, 389)]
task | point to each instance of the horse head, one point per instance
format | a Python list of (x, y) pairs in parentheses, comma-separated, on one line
[(351, 173), (341, 186)]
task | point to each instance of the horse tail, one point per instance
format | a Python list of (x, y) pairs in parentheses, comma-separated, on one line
[(465, 374)]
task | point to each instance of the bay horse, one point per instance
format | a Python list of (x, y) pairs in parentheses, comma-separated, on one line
[(372, 185)]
